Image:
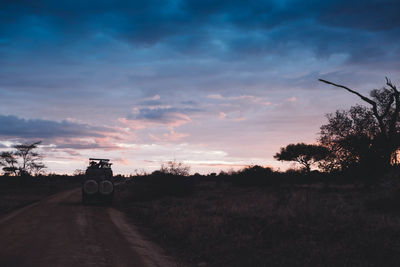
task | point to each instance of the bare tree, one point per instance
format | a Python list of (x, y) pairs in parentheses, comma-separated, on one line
[(385, 108), (37, 168), (175, 168)]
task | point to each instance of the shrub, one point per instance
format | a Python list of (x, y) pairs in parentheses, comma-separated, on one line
[(160, 184), (254, 176)]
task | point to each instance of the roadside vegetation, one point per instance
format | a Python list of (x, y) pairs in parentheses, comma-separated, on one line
[(257, 217)]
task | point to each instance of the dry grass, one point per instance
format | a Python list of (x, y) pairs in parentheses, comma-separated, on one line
[(282, 226)]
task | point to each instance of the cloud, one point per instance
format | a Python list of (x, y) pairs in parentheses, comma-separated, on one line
[(122, 161), (291, 99), (221, 27), (154, 98), (85, 144), (15, 127), (67, 136), (155, 114), (244, 98), (150, 119), (215, 96), (171, 136)]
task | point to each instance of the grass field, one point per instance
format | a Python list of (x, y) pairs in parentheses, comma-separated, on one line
[(314, 225)]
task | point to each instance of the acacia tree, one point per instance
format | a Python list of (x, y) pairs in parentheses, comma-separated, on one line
[(23, 161), (9, 163), (378, 126), (304, 154)]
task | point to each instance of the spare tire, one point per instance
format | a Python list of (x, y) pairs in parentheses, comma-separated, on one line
[(90, 187), (106, 187)]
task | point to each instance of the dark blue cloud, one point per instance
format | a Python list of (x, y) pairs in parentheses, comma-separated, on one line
[(217, 28), (14, 127), (162, 114)]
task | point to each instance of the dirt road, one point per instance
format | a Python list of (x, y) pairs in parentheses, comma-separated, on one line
[(60, 231)]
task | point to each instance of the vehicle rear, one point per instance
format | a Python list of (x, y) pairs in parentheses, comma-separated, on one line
[(98, 184)]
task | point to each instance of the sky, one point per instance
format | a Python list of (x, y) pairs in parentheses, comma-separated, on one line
[(217, 85)]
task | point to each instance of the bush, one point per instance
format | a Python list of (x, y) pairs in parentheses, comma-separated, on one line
[(160, 184), (254, 176)]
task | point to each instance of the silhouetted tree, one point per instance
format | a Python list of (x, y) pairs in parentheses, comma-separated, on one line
[(175, 168), (23, 161), (350, 136), (306, 155), (9, 163), (366, 134)]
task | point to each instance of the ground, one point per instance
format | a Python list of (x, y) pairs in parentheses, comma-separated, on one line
[(293, 225), (60, 231), (206, 223)]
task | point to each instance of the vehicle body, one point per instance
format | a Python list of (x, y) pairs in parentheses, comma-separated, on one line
[(98, 184)]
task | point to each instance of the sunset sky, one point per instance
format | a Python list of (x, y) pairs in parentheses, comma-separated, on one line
[(215, 84)]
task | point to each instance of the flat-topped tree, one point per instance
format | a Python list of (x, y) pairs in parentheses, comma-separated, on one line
[(384, 114), (304, 154)]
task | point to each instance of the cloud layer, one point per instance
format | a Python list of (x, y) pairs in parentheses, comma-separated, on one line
[(181, 76), (12, 126)]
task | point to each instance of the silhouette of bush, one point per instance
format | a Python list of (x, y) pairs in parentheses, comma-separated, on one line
[(160, 184), (252, 176)]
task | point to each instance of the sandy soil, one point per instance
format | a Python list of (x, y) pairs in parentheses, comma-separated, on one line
[(60, 231)]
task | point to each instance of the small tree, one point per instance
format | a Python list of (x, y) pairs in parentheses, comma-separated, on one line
[(175, 168), (304, 154), (23, 161)]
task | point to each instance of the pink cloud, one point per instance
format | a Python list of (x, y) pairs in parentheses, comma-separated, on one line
[(155, 97), (170, 119), (122, 161), (249, 98), (215, 96), (291, 99), (168, 137)]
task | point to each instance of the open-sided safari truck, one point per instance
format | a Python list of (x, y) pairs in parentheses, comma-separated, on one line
[(98, 184)]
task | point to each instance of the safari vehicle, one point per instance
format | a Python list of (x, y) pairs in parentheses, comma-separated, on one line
[(98, 184)]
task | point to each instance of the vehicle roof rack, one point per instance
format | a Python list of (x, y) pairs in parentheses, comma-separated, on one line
[(99, 159)]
